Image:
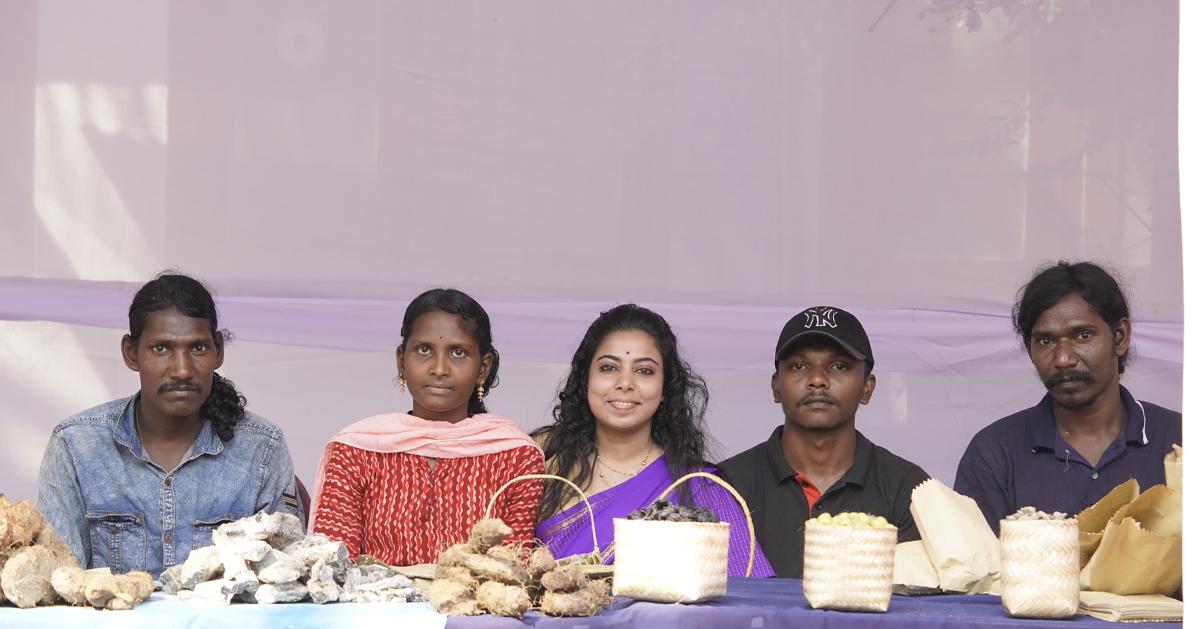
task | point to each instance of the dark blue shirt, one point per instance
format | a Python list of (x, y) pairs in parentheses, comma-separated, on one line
[(1022, 461)]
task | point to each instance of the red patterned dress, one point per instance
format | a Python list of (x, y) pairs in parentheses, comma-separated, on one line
[(395, 507)]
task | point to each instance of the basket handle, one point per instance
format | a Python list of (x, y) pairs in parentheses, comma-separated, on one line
[(591, 515), (745, 510)]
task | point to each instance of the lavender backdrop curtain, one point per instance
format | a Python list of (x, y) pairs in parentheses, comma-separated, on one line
[(728, 163)]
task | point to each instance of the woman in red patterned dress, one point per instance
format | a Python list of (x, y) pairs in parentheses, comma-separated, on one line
[(404, 486)]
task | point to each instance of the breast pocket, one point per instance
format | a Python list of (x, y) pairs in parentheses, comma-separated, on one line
[(118, 540), (202, 530)]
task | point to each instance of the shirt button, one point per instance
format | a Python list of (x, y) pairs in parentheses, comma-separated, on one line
[(819, 507), (167, 481), (1095, 475), (167, 537)]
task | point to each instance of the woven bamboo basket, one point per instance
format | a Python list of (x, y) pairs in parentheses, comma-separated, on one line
[(848, 568), (1039, 568), (594, 557), (675, 562)]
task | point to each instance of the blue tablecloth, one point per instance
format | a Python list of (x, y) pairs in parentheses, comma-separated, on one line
[(764, 603), (162, 612), (750, 603)]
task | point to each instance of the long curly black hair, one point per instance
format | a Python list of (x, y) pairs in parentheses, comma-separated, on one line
[(677, 426), (225, 406), (475, 321)]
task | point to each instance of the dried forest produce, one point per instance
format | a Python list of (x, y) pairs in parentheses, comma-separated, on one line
[(37, 568), (1030, 513), (485, 576), (854, 519), (102, 589), (665, 511)]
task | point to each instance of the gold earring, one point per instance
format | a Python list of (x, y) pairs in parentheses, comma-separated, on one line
[(479, 393), (403, 385)]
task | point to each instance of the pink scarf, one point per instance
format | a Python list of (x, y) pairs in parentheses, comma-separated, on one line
[(401, 432)]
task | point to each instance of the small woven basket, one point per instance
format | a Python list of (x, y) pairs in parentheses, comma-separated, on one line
[(595, 555), (1039, 568), (848, 568), (675, 562)]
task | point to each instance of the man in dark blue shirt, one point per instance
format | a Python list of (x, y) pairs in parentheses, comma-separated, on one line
[(1088, 434)]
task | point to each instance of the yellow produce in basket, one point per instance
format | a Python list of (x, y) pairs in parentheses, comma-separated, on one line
[(848, 561), (856, 519)]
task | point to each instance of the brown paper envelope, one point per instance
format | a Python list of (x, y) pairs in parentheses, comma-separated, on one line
[(1173, 467), (1158, 510), (913, 567), (962, 547), (1093, 519), (1132, 560), (1088, 543)]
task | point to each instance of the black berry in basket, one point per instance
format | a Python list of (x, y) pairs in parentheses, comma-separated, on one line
[(662, 510)]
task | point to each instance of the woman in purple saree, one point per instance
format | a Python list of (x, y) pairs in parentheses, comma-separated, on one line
[(628, 422)]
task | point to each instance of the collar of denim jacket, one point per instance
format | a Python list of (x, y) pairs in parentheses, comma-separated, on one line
[(125, 433)]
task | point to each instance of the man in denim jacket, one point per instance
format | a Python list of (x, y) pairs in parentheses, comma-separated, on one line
[(137, 483)]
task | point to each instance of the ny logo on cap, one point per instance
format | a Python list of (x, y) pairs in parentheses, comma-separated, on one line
[(820, 318)]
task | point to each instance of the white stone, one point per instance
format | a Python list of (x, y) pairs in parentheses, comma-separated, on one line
[(202, 564), (208, 592), (278, 567), (279, 529), (280, 592)]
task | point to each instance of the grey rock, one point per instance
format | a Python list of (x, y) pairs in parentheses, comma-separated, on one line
[(377, 583), (319, 547), (322, 587), (171, 579)]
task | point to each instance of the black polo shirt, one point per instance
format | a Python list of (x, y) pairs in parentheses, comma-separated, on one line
[(878, 482), (1022, 461)]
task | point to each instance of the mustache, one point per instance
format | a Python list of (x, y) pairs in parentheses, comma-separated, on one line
[(1072, 375), (179, 385), (818, 397)]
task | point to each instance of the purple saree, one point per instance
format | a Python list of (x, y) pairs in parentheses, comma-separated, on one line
[(569, 532)]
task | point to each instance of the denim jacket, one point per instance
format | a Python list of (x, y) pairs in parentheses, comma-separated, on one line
[(115, 507)]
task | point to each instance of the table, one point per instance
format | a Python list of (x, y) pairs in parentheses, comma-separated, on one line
[(750, 603), (162, 612), (766, 603)]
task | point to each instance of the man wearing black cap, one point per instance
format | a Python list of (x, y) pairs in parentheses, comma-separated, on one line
[(816, 462)]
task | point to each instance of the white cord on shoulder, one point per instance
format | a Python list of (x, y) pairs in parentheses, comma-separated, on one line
[(1145, 440)]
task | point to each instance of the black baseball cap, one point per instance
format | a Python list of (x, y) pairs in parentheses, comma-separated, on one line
[(833, 323)]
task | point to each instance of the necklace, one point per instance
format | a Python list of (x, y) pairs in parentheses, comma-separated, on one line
[(600, 472)]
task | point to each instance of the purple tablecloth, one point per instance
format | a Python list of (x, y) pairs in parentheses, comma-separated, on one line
[(762, 603)]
